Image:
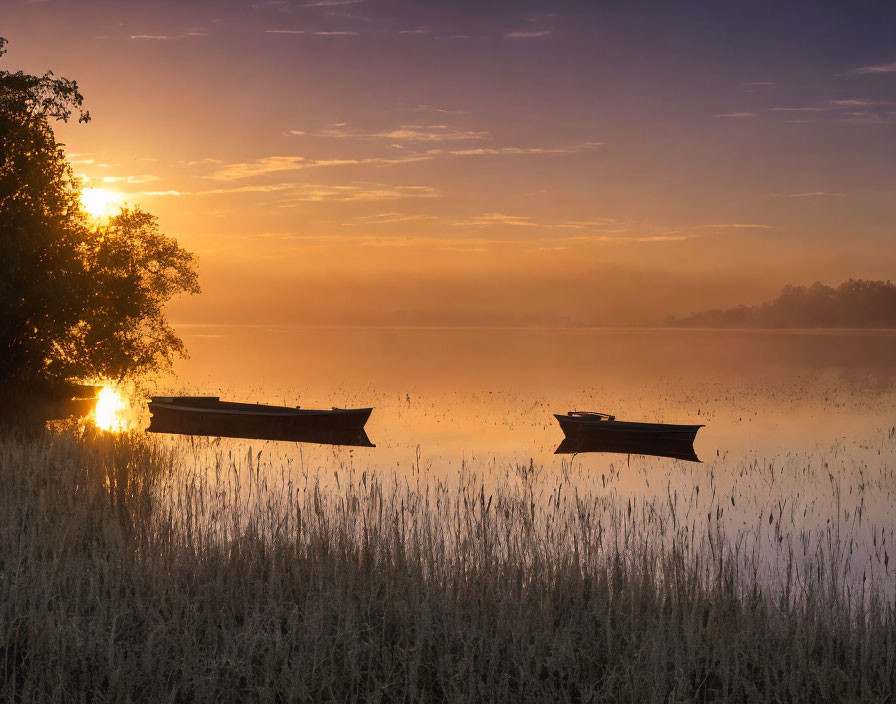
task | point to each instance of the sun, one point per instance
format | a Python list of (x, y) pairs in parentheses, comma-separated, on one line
[(110, 411), (100, 202)]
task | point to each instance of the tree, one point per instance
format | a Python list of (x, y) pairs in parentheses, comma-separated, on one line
[(856, 303), (79, 299)]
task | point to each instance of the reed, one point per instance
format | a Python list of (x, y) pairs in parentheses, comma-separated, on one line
[(133, 570)]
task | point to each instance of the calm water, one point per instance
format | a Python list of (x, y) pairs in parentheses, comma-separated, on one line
[(799, 437), (492, 393)]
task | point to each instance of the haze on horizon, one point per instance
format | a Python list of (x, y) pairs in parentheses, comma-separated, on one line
[(385, 162)]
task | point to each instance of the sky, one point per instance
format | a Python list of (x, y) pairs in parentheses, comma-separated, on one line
[(383, 162)]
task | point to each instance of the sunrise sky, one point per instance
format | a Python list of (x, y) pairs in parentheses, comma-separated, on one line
[(430, 163)]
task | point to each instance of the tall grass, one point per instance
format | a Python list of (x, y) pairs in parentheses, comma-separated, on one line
[(131, 572)]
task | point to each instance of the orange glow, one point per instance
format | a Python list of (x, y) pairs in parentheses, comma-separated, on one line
[(110, 411), (441, 196), (101, 202)]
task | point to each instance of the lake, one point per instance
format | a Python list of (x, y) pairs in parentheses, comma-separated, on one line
[(493, 392), (799, 445)]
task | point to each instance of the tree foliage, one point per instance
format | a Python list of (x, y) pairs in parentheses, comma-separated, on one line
[(856, 303), (79, 299)]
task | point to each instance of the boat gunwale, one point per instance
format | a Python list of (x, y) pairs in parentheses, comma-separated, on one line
[(280, 413), (623, 424)]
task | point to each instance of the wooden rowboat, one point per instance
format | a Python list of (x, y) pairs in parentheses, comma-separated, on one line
[(600, 432), (577, 424), (208, 415)]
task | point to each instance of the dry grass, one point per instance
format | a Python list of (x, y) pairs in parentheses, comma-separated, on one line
[(129, 572)]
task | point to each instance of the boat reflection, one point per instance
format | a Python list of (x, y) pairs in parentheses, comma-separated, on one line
[(352, 438), (676, 449)]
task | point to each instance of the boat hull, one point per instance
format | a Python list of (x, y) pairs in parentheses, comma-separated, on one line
[(339, 426), (578, 427)]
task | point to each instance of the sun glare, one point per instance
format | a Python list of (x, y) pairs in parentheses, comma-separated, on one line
[(100, 202), (110, 410)]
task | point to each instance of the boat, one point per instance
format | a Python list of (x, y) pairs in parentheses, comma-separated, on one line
[(591, 427), (208, 415)]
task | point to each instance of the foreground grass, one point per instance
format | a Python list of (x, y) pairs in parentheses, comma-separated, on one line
[(125, 579)]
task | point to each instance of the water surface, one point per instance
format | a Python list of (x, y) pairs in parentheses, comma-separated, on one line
[(798, 451), (493, 392)]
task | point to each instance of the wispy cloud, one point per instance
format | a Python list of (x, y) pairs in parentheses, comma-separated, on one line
[(836, 105), (316, 33), (861, 103), (734, 226), (267, 188), (412, 133), (332, 3), (498, 151), (423, 107), (291, 194), (528, 34), (371, 161), (275, 164), (167, 37), (604, 225), (457, 244), (203, 162), (598, 229), (865, 117), (497, 219), (879, 68), (355, 192), (811, 194), (673, 236), (735, 114), (808, 108), (266, 165), (142, 178), (858, 111), (318, 240), (608, 227), (389, 218)]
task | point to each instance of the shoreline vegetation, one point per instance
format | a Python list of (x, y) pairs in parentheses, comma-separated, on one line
[(138, 570), (856, 303)]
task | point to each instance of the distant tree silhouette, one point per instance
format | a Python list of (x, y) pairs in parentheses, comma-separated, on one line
[(79, 299), (857, 303)]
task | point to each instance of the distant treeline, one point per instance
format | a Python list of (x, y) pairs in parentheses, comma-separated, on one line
[(856, 303)]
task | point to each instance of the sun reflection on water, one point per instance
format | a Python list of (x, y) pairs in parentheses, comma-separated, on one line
[(110, 413)]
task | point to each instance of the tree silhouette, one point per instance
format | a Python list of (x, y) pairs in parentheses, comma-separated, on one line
[(79, 299), (856, 303)]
